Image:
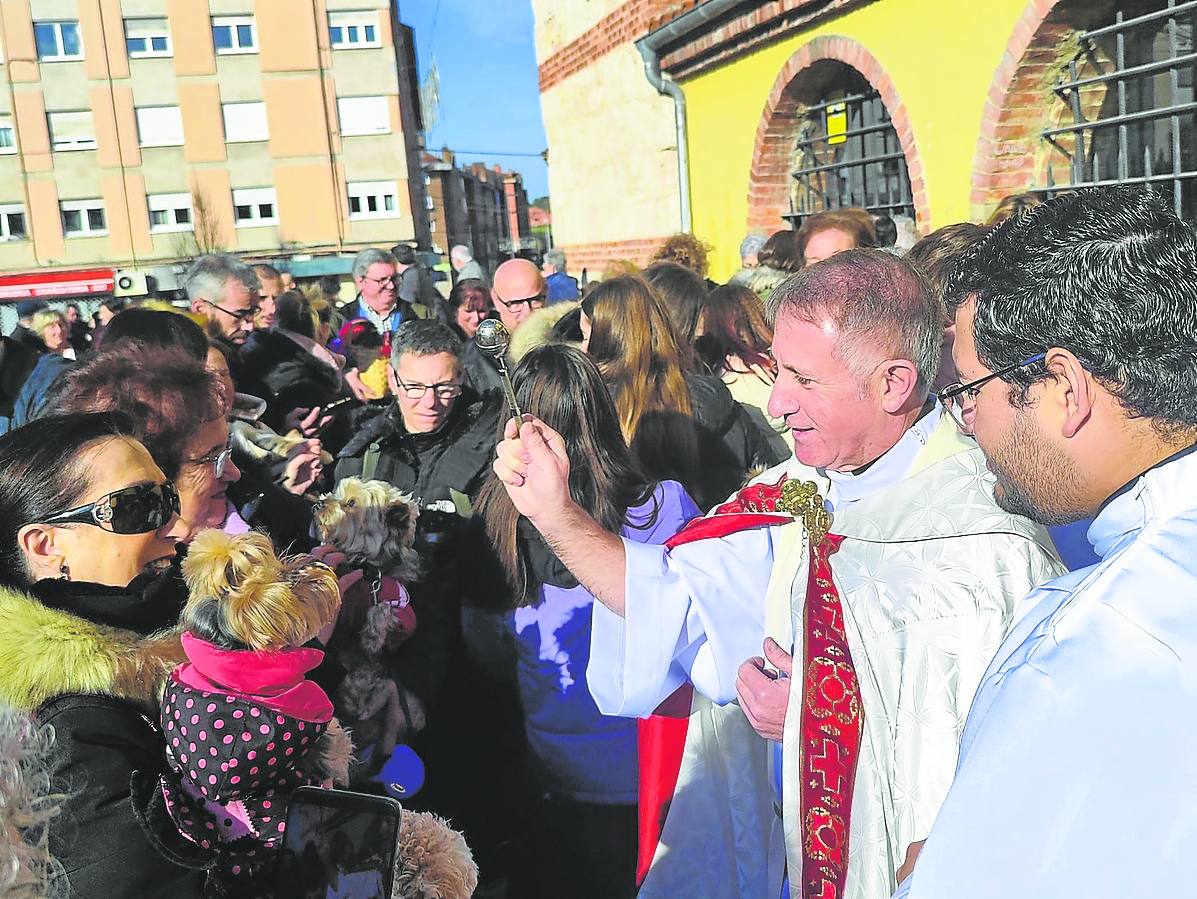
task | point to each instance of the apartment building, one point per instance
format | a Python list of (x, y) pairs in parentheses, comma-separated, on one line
[(137, 133), (483, 208)]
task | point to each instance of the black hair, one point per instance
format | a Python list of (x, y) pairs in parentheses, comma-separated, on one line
[(330, 285), (886, 229), (403, 254), (1109, 274), (424, 337), (42, 473), (155, 328), (294, 312), (113, 304)]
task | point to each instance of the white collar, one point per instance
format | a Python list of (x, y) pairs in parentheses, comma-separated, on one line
[(1163, 491), (893, 466)]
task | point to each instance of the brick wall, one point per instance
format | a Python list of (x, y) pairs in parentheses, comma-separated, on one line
[(595, 257), (632, 20), (799, 84), (1011, 154)]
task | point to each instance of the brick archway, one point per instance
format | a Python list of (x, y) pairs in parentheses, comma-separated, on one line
[(1011, 156), (798, 84)]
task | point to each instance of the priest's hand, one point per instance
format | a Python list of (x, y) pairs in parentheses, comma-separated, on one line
[(534, 467), (765, 694)]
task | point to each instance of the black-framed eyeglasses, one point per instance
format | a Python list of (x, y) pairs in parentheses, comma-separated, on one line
[(240, 314), (445, 390), (382, 282), (130, 510), (961, 399), (535, 302), (218, 460)]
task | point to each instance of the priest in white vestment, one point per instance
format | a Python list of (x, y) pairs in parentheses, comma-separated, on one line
[(1077, 328), (928, 575)]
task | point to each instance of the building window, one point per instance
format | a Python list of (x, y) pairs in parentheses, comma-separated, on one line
[(83, 218), (373, 199), (347, 30), (234, 34), (12, 222), (253, 206), (1133, 118), (147, 37), (71, 131), (159, 126), (244, 122), (57, 41), (363, 115), (169, 212), (8, 136), (847, 153)]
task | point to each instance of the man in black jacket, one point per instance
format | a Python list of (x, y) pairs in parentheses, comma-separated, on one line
[(437, 442)]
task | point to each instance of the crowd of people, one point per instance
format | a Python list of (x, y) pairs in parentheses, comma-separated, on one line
[(865, 571)]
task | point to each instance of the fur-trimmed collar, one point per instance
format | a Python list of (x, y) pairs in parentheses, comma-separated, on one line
[(45, 652)]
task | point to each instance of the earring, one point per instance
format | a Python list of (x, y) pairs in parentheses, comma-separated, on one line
[(64, 571)]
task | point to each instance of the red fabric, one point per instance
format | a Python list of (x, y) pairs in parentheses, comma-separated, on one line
[(831, 725), (662, 736), (275, 679)]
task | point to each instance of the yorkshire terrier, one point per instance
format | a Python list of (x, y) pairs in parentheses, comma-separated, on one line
[(374, 525), (243, 724)]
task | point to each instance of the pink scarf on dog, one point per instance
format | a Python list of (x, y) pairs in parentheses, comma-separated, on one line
[(274, 678)]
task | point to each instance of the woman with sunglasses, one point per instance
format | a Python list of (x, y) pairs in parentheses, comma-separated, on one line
[(89, 526)]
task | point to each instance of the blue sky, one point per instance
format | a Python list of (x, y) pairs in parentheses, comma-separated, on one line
[(490, 98)]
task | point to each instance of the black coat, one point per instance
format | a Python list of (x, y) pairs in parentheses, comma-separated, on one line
[(100, 834), (285, 375), (455, 459), (88, 661), (731, 445)]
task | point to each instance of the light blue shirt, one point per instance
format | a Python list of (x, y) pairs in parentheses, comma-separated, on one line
[(1078, 765)]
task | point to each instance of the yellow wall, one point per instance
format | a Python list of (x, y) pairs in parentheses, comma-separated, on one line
[(941, 56)]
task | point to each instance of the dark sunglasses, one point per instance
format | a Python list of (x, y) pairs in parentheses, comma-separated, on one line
[(131, 510)]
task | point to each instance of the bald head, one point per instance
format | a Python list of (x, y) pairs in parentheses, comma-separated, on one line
[(518, 289)]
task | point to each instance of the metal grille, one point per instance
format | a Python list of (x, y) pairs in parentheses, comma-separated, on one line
[(1135, 119), (847, 153)]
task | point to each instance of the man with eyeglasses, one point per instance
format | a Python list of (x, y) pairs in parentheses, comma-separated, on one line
[(435, 442), (225, 291), (518, 290), (381, 301), (848, 599), (1076, 343)]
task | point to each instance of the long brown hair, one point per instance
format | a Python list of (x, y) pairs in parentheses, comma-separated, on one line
[(561, 386), (734, 324), (634, 346)]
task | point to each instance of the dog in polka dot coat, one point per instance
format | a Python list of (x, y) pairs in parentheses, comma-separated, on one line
[(243, 724)]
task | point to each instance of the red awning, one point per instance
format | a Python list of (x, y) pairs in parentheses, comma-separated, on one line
[(52, 285)]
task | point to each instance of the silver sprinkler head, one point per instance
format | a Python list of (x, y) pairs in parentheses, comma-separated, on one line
[(493, 338)]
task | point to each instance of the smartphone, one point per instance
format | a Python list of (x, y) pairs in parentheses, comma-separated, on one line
[(338, 405), (338, 845)]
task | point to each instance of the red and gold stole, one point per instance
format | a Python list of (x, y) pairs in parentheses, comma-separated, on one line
[(832, 715)]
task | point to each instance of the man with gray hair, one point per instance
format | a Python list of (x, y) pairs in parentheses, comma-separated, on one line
[(463, 262), (876, 555), (225, 291), (750, 248), (561, 286)]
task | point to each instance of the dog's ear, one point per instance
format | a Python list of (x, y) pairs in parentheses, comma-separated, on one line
[(398, 516)]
